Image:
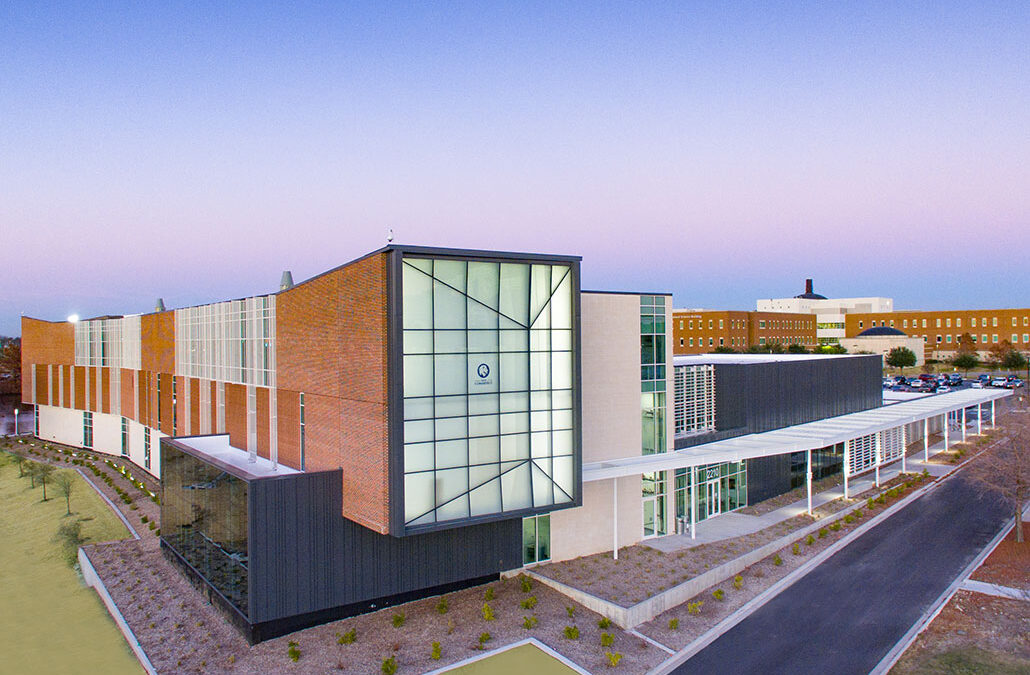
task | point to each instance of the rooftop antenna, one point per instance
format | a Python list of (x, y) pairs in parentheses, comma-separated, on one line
[(287, 281), (389, 235)]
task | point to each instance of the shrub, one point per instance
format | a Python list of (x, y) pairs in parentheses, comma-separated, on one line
[(435, 653), (529, 622), (571, 610), (809, 540), (347, 638), (525, 584), (441, 607), (835, 526), (488, 612), (613, 659), (607, 639), (858, 513), (571, 632), (869, 504), (881, 499), (718, 594), (849, 519), (604, 622), (738, 582), (695, 607), (143, 519), (489, 595), (823, 532), (924, 474), (795, 548), (528, 603), (673, 624), (389, 666), (483, 639), (398, 619), (293, 651)]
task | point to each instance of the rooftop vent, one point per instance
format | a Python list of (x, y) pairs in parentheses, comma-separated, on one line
[(159, 306), (287, 281)]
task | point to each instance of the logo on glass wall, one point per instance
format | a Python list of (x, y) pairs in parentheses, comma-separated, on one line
[(483, 370)]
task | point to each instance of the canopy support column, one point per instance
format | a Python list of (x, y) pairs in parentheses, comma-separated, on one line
[(926, 439), (963, 425), (615, 518), (808, 477), (879, 455), (847, 456), (979, 418), (693, 502), (992, 412), (947, 425)]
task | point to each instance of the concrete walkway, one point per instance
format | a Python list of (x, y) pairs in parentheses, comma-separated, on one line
[(995, 589), (733, 524)]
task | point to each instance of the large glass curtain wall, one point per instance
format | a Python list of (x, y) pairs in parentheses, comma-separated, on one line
[(204, 519), (653, 364), (488, 388), (825, 462)]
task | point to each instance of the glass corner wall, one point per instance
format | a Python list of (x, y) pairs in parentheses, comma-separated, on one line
[(204, 519)]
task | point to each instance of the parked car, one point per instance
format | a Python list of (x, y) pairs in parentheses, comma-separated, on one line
[(999, 382), (978, 384), (943, 389), (927, 377), (1014, 382), (917, 384), (954, 379), (983, 377)]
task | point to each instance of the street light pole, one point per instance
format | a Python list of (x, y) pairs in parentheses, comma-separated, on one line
[(15, 421)]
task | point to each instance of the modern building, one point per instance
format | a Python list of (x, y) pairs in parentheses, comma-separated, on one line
[(881, 340), (830, 313), (940, 331), (421, 419), (700, 331)]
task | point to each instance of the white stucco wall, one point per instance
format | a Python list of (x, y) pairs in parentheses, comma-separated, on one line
[(63, 425)]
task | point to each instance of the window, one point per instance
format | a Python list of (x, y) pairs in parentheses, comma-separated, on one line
[(722, 342), (947, 322), (231, 341), (87, 429), (681, 342), (994, 321), (691, 342), (761, 324), (1026, 338), (1013, 321), (175, 410), (761, 340), (125, 437), (710, 326), (681, 325), (35, 420), (302, 431), (859, 324), (1015, 338), (720, 323), (984, 336), (949, 340), (710, 342), (691, 325), (994, 338), (904, 324), (146, 448), (958, 322), (536, 539), (1026, 321), (938, 323), (892, 323)]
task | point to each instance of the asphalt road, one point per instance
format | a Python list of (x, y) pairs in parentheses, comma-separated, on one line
[(846, 614)]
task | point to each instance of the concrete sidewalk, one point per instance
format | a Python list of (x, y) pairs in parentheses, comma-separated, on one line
[(733, 524)]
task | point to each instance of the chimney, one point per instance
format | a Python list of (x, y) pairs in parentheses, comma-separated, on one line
[(287, 281), (808, 285), (159, 306)]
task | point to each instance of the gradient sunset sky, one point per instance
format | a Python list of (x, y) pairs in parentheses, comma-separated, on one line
[(720, 151)]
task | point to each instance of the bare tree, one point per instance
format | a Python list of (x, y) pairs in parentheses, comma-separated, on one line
[(65, 482), (43, 472), (1004, 469)]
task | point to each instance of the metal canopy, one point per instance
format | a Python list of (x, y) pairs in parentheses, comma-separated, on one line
[(808, 436)]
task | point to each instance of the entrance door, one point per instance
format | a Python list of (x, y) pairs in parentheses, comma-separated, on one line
[(713, 498)]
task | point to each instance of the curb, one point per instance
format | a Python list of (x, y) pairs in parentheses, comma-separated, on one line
[(768, 594), (92, 579)]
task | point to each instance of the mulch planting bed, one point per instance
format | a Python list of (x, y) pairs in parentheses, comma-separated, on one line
[(641, 571), (180, 632), (974, 633), (1009, 564)]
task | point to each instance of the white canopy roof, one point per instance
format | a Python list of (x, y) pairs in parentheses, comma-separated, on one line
[(809, 436)]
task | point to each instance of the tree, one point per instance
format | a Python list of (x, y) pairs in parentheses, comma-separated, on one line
[(43, 472), (1014, 360), (900, 358), (1004, 469), (10, 363), (20, 460), (723, 349), (965, 360), (70, 536), (997, 352), (796, 349), (65, 482)]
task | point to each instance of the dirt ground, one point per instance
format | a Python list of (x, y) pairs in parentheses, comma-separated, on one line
[(974, 633), (1009, 564)]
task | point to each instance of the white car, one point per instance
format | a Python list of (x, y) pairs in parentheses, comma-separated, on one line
[(999, 382), (943, 389), (977, 384)]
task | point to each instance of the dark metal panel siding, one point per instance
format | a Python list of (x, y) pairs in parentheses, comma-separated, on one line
[(767, 477), (305, 557), (731, 405)]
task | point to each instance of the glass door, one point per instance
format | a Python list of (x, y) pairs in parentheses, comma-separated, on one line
[(713, 497)]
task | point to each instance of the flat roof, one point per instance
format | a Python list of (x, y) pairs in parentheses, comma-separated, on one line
[(808, 436), (217, 450), (714, 359)]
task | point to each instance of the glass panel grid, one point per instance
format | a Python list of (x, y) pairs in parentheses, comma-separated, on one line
[(487, 387)]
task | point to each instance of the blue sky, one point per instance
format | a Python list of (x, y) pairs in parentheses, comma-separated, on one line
[(723, 152)]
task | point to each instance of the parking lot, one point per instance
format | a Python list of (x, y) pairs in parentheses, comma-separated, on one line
[(942, 383)]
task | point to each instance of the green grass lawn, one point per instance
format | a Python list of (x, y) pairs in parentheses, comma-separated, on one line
[(49, 621), (516, 661)]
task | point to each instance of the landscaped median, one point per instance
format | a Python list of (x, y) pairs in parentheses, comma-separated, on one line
[(678, 613)]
